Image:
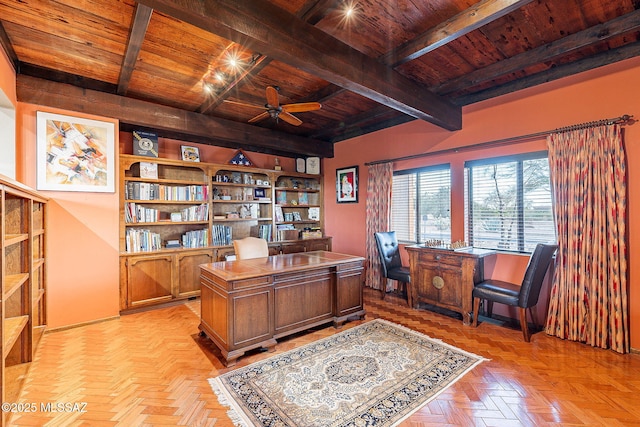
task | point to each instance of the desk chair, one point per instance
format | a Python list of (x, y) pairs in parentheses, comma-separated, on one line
[(523, 296), (251, 247), (392, 267)]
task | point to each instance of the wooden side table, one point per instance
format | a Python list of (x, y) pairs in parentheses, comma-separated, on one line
[(445, 277)]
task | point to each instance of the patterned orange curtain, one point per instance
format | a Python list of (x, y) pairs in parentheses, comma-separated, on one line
[(589, 293), (378, 212)]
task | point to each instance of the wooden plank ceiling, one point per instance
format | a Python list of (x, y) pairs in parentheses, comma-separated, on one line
[(199, 70)]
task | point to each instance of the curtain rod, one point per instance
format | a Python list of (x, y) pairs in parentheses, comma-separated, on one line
[(625, 119)]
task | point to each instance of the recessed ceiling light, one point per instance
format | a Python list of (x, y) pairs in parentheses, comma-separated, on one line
[(349, 10)]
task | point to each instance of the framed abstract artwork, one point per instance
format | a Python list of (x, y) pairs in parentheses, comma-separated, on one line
[(347, 185), (74, 154)]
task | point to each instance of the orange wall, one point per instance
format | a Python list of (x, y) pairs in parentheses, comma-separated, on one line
[(7, 77), (602, 93), (82, 238)]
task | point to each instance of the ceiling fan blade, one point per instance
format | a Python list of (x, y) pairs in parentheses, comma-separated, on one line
[(259, 117), (290, 118), (272, 97), (302, 107), (242, 104)]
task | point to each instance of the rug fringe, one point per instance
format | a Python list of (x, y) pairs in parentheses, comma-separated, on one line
[(235, 412)]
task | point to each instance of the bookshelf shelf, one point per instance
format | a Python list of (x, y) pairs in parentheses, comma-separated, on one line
[(22, 309)]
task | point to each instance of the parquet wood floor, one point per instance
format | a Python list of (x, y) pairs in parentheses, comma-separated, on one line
[(151, 369)]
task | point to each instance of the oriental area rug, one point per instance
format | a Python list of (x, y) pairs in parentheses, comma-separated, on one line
[(374, 374)]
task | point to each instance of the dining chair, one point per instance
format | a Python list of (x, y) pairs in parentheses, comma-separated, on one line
[(524, 296), (392, 267)]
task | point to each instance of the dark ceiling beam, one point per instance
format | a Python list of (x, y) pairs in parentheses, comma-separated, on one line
[(5, 42), (546, 53), (67, 78), (353, 131), (267, 29), (316, 10), (470, 19), (358, 124), (555, 73), (141, 19), (219, 132), (463, 23)]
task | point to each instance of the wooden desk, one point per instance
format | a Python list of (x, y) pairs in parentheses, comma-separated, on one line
[(248, 304), (445, 278)]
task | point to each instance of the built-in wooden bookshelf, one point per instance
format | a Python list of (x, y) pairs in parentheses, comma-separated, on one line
[(228, 202), (298, 205), (23, 308)]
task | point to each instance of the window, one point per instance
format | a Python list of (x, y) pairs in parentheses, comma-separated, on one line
[(421, 204), (508, 203)]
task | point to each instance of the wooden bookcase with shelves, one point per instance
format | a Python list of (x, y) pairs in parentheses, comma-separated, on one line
[(162, 207), (241, 203), (298, 206), (234, 201), (165, 229), (23, 306)]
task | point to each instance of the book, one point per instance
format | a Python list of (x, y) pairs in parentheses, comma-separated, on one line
[(278, 213), (282, 197), (145, 143), (314, 214), (172, 244), (148, 170)]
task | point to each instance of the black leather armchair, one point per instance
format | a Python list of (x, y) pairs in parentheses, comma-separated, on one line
[(523, 296), (392, 267)]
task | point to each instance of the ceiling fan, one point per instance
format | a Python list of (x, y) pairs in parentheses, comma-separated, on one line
[(277, 111)]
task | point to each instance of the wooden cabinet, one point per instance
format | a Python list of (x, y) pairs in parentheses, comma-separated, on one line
[(445, 278), (201, 208), (22, 308), (249, 304), (161, 278)]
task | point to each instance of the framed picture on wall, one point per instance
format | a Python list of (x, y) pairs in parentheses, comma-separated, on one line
[(347, 185), (74, 154)]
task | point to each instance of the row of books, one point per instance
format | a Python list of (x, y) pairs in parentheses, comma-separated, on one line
[(313, 214), (141, 240), (264, 232), (195, 239), (134, 214), (196, 213), (221, 235), (150, 191)]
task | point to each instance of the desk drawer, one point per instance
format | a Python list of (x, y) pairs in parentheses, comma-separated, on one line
[(432, 258)]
